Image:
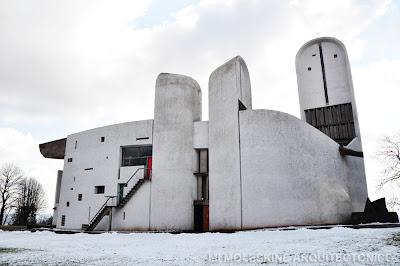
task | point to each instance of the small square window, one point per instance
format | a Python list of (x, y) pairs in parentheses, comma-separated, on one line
[(309, 68), (67, 203), (335, 55), (62, 220), (99, 189), (79, 197), (69, 160), (102, 139)]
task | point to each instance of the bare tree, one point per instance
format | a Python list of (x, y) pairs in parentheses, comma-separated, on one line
[(10, 176), (31, 199), (389, 154)]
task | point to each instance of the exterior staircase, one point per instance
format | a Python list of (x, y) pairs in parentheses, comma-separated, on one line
[(106, 209), (98, 217), (132, 192)]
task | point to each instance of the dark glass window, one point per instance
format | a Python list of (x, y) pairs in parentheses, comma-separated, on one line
[(79, 197), (62, 220), (67, 203), (132, 156), (69, 160), (103, 139), (99, 189)]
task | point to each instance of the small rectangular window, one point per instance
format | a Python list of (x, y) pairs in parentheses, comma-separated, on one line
[(123, 217), (76, 144), (102, 139), (62, 220), (99, 189), (88, 169), (67, 203), (79, 197), (69, 160)]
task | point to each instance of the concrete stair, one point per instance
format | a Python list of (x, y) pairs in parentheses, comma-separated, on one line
[(132, 192), (96, 220)]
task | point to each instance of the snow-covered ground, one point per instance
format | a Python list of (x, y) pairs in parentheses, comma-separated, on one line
[(302, 246)]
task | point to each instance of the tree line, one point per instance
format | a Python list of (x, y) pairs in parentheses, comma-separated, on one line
[(21, 197)]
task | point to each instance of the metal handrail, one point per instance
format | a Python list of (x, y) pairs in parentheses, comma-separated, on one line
[(137, 170), (100, 210)]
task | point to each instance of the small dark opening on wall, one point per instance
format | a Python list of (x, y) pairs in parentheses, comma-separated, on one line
[(67, 203), (335, 55), (123, 216), (62, 220), (103, 139), (76, 144), (74, 178), (242, 107), (142, 138), (309, 68), (314, 55), (88, 169), (69, 160), (99, 189), (72, 188), (79, 197)]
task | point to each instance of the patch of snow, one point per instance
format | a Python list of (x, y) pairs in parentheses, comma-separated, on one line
[(303, 246)]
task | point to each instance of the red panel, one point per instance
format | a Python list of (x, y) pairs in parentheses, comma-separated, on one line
[(205, 218), (149, 166)]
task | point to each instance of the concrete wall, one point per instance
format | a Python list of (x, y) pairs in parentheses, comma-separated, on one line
[(137, 212), (105, 159), (177, 106), (57, 197), (292, 174), (227, 85), (200, 135), (339, 89)]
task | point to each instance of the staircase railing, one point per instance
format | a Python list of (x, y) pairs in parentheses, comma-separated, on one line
[(101, 209)]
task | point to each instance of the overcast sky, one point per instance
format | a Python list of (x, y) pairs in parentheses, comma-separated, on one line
[(68, 66)]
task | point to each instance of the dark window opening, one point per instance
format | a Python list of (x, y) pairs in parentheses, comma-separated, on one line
[(87, 169), (103, 139), (314, 55), (336, 121), (133, 156), (74, 178), (142, 138), (335, 55), (99, 189), (69, 160), (309, 68), (62, 220), (72, 188), (67, 203), (79, 197), (76, 144), (123, 216), (242, 107)]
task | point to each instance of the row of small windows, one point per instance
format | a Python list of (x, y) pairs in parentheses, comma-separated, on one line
[(309, 68), (102, 139), (334, 55), (79, 199)]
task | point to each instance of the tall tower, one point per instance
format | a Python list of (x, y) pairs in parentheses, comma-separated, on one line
[(327, 102)]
